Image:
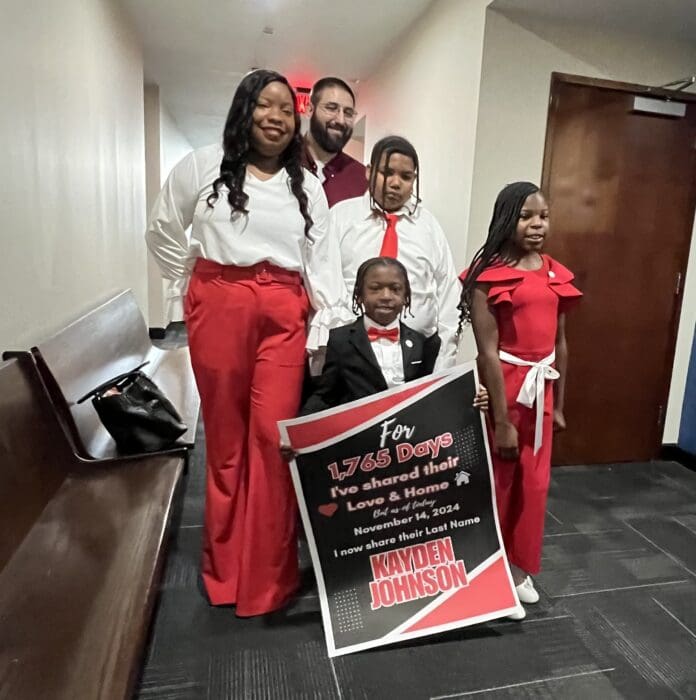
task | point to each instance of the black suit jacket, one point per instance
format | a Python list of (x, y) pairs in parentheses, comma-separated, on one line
[(351, 370)]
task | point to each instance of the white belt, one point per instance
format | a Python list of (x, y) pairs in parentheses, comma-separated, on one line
[(532, 388)]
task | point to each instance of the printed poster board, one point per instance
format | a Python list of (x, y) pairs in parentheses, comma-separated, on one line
[(397, 499)]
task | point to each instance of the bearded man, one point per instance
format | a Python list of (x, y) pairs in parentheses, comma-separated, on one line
[(331, 118)]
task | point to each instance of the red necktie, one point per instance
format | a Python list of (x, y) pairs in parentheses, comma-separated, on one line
[(390, 243), (377, 333)]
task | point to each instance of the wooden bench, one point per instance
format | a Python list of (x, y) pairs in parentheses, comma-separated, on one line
[(81, 550), (111, 339)]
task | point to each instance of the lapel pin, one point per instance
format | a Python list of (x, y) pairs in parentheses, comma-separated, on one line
[(409, 343), (552, 274)]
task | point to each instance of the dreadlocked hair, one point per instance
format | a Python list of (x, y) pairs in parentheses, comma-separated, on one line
[(506, 214), (365, 267), (236, 144), (387, 147)]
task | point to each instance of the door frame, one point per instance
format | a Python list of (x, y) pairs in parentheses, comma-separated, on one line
[(558, 79), (603, 84)]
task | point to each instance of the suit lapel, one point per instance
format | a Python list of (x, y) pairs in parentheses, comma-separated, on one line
[(409, 350), (360, 341)]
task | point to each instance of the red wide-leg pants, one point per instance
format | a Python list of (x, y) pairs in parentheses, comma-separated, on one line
[(247, 334), (522, 486)]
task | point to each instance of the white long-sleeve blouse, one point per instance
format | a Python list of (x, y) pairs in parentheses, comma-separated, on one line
[(273, 230)]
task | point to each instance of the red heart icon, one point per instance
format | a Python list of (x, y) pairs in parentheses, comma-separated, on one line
[(328, 509)]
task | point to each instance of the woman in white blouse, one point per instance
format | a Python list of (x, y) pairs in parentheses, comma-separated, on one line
[(257, 262)]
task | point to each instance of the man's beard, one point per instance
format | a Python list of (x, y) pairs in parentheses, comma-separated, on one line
[(331, 143)]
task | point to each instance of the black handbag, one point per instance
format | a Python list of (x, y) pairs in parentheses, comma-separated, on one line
[(139, 417)]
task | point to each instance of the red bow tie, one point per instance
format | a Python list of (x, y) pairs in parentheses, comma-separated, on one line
[(377, 333)]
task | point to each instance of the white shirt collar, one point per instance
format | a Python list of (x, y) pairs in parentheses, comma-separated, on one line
[(407, 210)]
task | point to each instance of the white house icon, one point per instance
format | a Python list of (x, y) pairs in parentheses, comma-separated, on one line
[(462, 477)]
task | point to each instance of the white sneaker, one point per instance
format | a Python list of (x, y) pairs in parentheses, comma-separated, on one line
[(526, 592), (519, 614)]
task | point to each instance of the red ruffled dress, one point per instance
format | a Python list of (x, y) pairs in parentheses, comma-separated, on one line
[(526, 305)]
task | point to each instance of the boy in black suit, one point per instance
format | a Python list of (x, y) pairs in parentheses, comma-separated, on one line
[(377, 351)]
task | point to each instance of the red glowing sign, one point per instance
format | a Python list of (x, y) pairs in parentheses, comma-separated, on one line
[(302, 99)]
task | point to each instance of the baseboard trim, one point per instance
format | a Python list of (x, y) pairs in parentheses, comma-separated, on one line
[(157, 333), (674, 453)]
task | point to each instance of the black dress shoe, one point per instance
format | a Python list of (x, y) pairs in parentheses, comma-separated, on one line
[(308, 583)]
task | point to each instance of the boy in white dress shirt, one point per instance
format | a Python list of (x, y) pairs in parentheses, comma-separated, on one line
[(389, 221)]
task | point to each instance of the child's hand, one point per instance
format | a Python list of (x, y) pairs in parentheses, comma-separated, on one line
[(506, 441), (559, 422), (481, 399), (287, 453)]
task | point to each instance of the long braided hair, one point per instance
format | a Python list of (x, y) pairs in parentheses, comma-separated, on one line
[(365, 267), (506, 214), (388, 146), (236, 144)]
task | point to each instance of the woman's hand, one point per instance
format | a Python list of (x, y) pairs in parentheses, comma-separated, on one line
[(287, 453), (506, 441), (559, 422), (481, 399)]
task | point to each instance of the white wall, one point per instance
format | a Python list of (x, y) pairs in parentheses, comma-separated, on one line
[(513, 105), (173, 144), (165, 146), (355, 148), (427, 90), (72, 187), (470, 87), (173, 147), (156, 289), (515, 78)]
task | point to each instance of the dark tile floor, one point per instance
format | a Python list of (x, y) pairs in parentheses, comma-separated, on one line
[(617, 617)]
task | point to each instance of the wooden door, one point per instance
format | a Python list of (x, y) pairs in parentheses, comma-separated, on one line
[(622, 187)]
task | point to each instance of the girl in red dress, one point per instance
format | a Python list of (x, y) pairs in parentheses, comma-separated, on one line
[(515, 298)]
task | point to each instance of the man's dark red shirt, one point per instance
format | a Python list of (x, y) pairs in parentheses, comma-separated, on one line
[(344, 176)]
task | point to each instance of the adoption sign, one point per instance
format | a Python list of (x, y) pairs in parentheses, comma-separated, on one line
[(397, 500)]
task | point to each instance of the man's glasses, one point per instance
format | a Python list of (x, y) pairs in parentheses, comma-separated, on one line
[(334, 108)]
